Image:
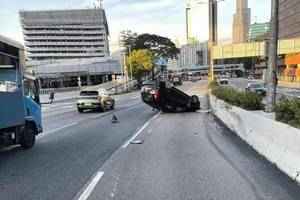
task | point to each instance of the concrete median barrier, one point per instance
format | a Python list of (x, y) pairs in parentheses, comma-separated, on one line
[(277, 142)]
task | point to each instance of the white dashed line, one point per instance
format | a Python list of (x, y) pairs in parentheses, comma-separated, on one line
[(91, 186), (140, 130)]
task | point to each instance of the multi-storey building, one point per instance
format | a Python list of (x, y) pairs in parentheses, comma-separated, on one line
[(64, 46), (241, 22), (65, 34), (259, 31), (193, 55), (289, 19)]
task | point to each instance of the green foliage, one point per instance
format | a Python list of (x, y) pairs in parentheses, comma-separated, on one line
[(158, 45), (288, 111), (213, 84), (245, 100), (141, 61), (193, 40)]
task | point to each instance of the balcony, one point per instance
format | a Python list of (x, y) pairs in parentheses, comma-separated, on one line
[(28, 44), (38, 32)]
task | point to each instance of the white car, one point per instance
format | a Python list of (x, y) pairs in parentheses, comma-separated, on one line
[(96, 100)]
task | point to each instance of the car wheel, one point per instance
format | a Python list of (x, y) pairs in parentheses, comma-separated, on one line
[(28, 136), (80, 110), (101, 109), (112, 106)]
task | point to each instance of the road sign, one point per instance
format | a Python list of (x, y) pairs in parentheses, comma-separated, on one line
[(161, 61)]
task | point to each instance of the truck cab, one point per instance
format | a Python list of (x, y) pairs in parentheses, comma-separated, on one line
[(20, 109)]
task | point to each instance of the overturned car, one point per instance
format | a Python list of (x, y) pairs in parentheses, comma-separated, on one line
[(170, 99)]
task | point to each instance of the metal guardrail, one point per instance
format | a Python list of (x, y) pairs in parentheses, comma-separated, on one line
[(123, 87), (58, 90)]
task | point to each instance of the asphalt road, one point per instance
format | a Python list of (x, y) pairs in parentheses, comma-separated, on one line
[(190, 156), (184, 156), (72, 147)]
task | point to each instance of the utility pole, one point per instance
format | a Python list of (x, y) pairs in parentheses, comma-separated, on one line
[(213, 32), (272, 61), (188, 21), (130, 63)]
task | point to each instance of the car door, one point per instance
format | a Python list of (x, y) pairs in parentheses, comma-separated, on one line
[(106, 99)]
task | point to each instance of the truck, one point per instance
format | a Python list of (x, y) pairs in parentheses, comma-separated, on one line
[(20, 108)]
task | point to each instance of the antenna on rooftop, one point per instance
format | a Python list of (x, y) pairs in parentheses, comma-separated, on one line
[(98, 4)]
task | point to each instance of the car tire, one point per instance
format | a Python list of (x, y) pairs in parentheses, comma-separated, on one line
[(112, 106), (28, 136), (100, 109), (80, 110)]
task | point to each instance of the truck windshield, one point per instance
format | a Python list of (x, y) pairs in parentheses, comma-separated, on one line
[(31, 89), (8, 79)]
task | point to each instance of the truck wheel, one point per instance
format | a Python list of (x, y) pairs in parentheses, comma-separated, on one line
[(28, 137)]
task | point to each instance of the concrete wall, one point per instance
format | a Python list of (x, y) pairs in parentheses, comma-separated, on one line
[(276, 141)]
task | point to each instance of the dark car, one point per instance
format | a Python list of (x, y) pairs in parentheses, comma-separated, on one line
[(176, 80), (169, 99), (149, 91), (257, 88)]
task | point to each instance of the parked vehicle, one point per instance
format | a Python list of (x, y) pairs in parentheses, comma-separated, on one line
[(258, 88), (194, 77), (99, 100), (223, 81), (176, 80), (20, 111)]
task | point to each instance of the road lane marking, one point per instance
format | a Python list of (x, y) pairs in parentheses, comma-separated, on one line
[(91, 186), (140, 130), (57, 129), (85, 119)]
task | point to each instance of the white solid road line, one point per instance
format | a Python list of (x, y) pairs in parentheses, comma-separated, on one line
[(140, 130), (91, 186)]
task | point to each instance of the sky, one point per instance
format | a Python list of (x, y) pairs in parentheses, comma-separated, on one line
[(163, 17)]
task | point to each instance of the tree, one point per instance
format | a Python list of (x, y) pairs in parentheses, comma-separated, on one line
[(141, 62), (193, 40), (158, 45), (127, 39)]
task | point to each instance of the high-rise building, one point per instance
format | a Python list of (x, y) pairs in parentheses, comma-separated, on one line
[(65, 34), (241, 22), (289, 20), (193, 55), (259, 31)]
